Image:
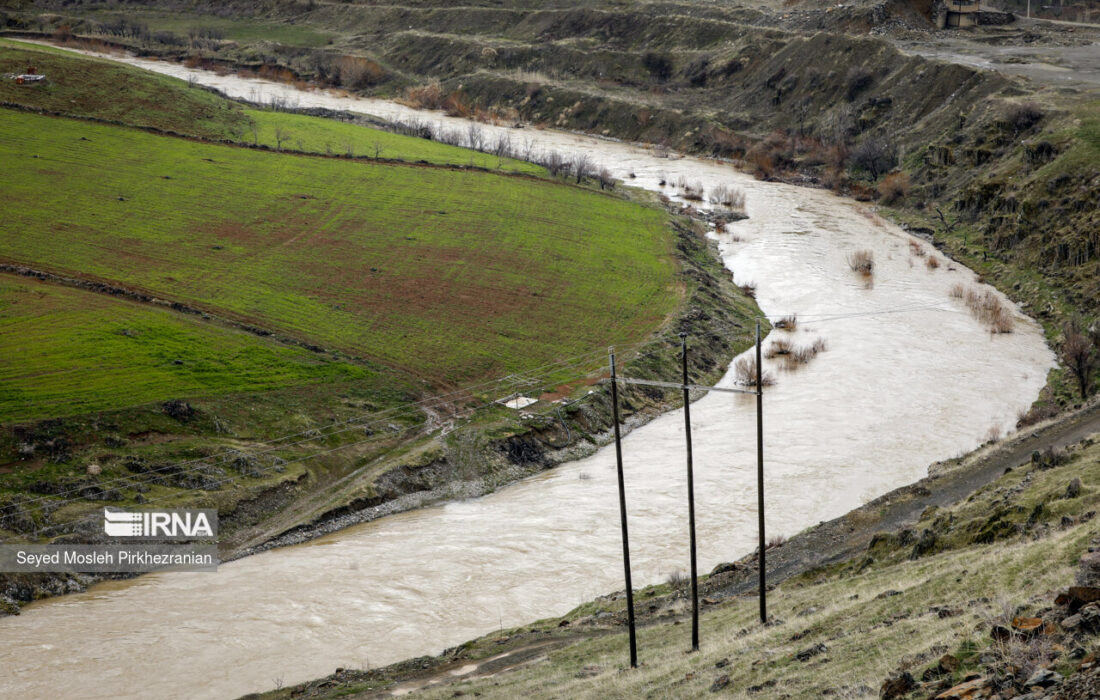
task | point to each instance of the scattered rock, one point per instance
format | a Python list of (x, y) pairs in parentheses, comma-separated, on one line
[(976, 688), (719, 683), (1088, 570), (897, 685), (1028, 626), (1074, 488), (1078, 596), (1043, 678), (94, 470), (810, 652), (949, 663)]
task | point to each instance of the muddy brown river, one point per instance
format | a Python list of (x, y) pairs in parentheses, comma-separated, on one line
[(909, 377)]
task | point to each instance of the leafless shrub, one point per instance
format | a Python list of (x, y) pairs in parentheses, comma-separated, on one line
[(727, 196), (987, 308), (776, 541), (993, 434), (451, 137), (502, 147), (582, 166), (475, 136), (862, 261), (749, 288), (606, 180), (357, 72), (1021, 116), (932, 262), (957, 291), (676, 580), (916, 249), (876, 155), (894, 187), (692, 191), (787, 323), (554, 163), (802, 354), (745, 371), (424, 96), (779, 347), (1039, 411)]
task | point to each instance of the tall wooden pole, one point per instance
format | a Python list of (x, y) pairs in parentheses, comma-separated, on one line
[(760, 475), (622, 512), (691, 500)]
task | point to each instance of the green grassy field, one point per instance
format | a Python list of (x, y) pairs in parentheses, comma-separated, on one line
[(447, 274), (65, 351), (233, 29), (90, 87), (317, 135)]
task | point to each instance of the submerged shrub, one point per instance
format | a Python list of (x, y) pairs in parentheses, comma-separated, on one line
[(862, 261)]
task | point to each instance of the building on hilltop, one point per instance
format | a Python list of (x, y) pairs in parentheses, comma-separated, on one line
[(956, 13)]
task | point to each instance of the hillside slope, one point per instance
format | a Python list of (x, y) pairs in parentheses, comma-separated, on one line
[(278, 334), (968, 594)]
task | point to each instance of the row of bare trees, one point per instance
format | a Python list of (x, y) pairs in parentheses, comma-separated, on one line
[(577, 166)]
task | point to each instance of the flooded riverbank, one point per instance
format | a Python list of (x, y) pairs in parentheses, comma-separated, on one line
[(909, 377)]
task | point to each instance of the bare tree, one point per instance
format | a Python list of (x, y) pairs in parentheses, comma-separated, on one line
[(876, 155), (607, 182), (503, 147), (1080, 355), (349, 149), (281, 135), (582, 166), (475, 137), (378, 148), (554, 163)]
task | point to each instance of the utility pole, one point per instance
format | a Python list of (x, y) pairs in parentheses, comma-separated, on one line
[(622, 511), (691, 500), (760, 475)]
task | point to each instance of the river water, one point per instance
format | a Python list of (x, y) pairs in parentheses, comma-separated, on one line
[(909, 377)]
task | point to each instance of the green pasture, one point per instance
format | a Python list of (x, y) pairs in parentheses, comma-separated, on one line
[(67, 351), (450, 275)]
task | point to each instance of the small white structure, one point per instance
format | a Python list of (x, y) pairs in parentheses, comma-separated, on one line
[(517, 402), (26, 78)]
